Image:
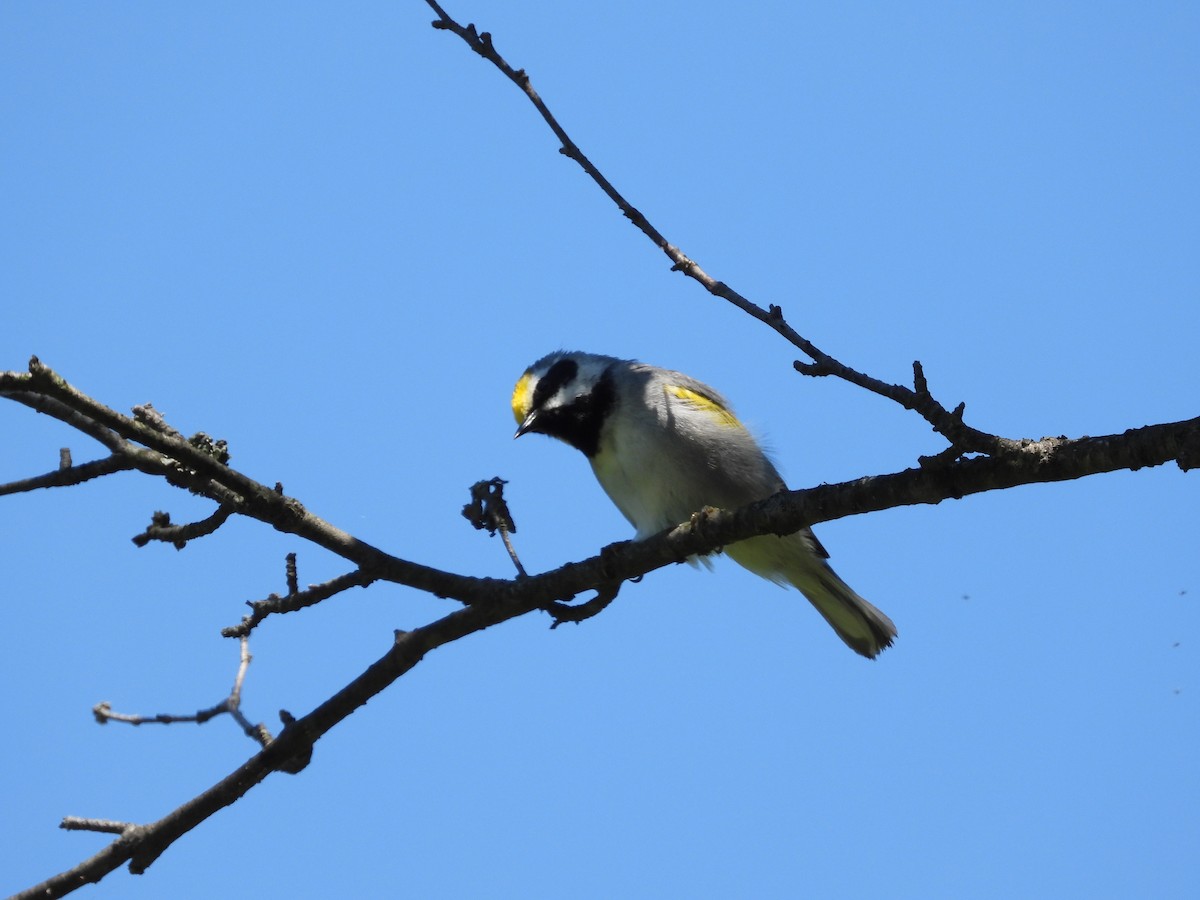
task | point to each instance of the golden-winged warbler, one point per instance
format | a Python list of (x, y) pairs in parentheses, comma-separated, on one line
[(663, 446)]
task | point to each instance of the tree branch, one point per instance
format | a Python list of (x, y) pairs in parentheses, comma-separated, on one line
[(491, 601), (231, 705), (141, 845), (69, 475), (950, 425), (1053, 459), (186, 466), (161, 529), (1050, 459), (147, 443), (488, 511), (297, 600)]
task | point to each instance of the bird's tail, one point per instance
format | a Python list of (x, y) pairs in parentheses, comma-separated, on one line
[(799, 560)]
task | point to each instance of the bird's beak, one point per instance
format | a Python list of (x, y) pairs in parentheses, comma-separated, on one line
[(527, 425)]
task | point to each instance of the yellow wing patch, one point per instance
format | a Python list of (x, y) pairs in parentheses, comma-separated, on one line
[(705, 404), (522, 397)]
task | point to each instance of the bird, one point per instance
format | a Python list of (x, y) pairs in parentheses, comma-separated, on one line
[(664, 446)]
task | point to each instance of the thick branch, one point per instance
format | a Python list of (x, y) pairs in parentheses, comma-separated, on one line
[(1045, 461), (1054, 459), (140, 846), (183, 465)]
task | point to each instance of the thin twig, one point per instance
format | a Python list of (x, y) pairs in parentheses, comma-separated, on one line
[(273, 604), (105, 826), (291, 574), (69, 475), (231, 704), (161, 529), (563, 612), (488, 510), (919, 401)]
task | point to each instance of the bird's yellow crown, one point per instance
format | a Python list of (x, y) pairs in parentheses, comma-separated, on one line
[(522, 398)]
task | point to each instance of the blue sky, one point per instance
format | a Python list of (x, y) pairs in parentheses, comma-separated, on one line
[(335, 237)]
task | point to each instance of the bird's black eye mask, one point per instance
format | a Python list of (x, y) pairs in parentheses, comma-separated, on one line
[(579, 421), (562, 372)]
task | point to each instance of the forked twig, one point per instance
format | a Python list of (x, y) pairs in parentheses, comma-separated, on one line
[(231, 705)]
